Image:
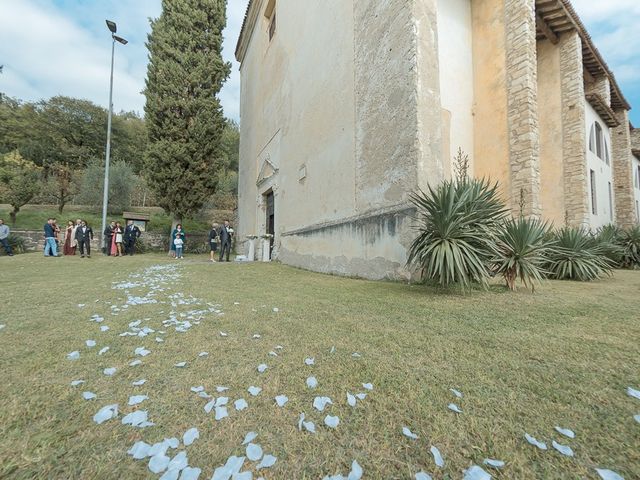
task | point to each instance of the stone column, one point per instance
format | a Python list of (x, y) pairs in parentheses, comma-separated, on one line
[(601, 87), (576, 195), (623, 171), (522, 105)]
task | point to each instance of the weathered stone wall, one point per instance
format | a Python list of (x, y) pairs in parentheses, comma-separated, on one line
[(635, 138), (34, 240), (622, 171), (574, 130), (522, 105), (600, 86)]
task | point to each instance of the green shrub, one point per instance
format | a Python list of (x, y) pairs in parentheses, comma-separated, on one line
[(523, 246), (579, 255), (609, 239), (456, 224), (16, 243), (629, 242)]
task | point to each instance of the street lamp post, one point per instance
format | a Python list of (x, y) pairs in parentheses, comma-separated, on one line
[(105, 196)]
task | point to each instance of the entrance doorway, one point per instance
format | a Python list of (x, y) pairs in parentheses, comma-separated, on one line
[(270, 220)]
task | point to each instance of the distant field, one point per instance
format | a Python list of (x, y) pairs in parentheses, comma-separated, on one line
[(524, 363), (33, 217)]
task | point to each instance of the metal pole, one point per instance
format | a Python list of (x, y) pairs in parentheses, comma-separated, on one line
[(105, 196)]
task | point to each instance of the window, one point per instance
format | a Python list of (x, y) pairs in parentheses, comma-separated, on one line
[(610, 203), (606, 151), (638, 177), (594, 203), (272, 25), (592, 139), (598, 142), (270, 14)]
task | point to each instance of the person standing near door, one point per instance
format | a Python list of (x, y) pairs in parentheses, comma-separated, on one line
[(226, 235), (214, 238), (131, 234)]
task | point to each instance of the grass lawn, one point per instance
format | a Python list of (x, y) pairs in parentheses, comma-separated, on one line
[(524, 362), (33, 217)]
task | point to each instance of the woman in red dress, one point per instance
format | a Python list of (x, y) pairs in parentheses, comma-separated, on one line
[(69, 239)]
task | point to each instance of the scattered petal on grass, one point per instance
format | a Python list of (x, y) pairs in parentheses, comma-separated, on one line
[(179, 462), (223, 334), (90, 343), (312, 382), (104, 328), (534, 442), (281, 400), (256, 336), (361, 396), (262, 368), (171, 442), (139, 450), (139, 383), (267, 462), (110, 371), (563, 449), (190, 436), (221, 401), (456, 392), (490, 462), (276, 309), (170, 474), (240, 404), (221, 412), (136, 399), (300, 420), (606, 474), (408, 433), (254, 391), (209, 406), (454, 408), (309, 427), (356, 355), (356, 471), (203, 354), (159, 463), (331, 422), (233, 465), (309, 361), (566, 432), (73, 355), (220, 389), (476, 473), (135, 363), (75, 383), (437, 457), (319, 403), (103, 350), (190, 473), (351, 400), (367, 386), (279, 347), (159, 340), (180, 364), (423, 476), (254, 452), (106, 413), (141, 352), (243, 476), (204, 395), (632, 392), (135, 419), (273, 354), (197, 389), (88, 395), (249, 437)]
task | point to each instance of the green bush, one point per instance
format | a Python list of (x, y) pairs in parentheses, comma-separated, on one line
[(16, 243), (579, 255), (629, 242), (456, 224), (523, 245)]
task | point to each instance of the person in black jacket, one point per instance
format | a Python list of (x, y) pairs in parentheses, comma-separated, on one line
[(214, 237), (226, 233), (84, 235), (131, 234), (108, 235)]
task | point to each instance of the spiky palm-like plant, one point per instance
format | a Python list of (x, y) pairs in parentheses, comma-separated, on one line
[(578, 255), (523, 246), (609, 239), (456, 224), (629, 240)]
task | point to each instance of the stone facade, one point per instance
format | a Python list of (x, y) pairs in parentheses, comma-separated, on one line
[(623, 171), (522, 109), (574, 166)]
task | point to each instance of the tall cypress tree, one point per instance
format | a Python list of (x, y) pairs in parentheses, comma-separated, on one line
[(184, 117)]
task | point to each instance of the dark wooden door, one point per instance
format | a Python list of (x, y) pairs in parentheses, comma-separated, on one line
[(271, 226)]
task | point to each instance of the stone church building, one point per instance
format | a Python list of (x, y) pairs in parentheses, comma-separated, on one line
[(348, 106)]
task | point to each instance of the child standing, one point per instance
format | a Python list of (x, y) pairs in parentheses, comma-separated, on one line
[(178, 244)]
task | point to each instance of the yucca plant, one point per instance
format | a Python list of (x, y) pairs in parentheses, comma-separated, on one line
[(578, 255), (609, 239), (456, 224), (523, 246), (629, 241)]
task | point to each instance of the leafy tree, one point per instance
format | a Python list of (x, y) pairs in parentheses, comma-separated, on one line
[(184, 117), (122, 182), (19, 182)]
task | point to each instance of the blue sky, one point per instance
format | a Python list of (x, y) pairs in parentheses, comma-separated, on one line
[(52, 47)]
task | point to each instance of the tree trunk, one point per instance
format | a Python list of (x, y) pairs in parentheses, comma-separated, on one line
[(12, 215), (177, 219), (61, 202)]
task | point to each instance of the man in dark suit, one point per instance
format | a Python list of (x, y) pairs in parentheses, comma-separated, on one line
[(84, 235), (226, 234), (131, 234)]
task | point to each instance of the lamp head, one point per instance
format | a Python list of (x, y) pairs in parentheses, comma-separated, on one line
[(112, 26), (120, 39)]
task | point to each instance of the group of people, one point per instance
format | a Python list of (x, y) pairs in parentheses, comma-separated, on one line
[(218, 236), (119, 240), (78, 235)]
